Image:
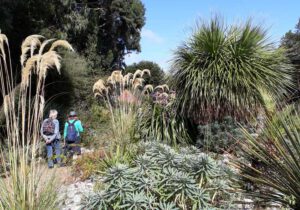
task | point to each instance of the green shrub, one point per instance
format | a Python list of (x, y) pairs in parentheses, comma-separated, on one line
[(100, 160), (162, 178), (220, 136), (160, 123)]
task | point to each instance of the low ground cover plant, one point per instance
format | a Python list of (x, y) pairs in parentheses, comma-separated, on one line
[(162, 178)]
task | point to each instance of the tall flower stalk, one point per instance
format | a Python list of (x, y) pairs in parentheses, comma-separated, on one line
[(22, 187)]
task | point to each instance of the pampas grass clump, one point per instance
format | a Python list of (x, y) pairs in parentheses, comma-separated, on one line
[(22, 187)]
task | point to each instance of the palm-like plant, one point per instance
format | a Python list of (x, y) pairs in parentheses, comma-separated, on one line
[(276, 154), (222, 70)]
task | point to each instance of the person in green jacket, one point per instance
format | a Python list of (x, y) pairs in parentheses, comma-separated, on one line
[(72, 130)]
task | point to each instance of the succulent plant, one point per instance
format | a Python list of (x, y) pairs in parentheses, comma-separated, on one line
[(162, 178)]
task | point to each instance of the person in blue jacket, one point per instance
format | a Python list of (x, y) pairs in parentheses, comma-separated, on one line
[(72, 130)]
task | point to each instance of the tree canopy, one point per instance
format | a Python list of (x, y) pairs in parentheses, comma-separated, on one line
[(157, 74), (103, 31), (291, 42)]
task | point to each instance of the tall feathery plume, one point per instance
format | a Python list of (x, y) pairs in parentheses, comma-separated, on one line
[(126, 79), (99, 88), (146, 72), (61, 43), (165, 87), (29, 68), (42, 106), (29, 44), (137, 83), (110, 80), (44, 44), (117, 76), (137, 74), (49, 60), (159, 87), (3, 41), (148, 89)]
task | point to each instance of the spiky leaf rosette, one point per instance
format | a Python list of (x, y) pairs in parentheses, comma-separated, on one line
[(275, 157), (162, 178), (221, 70)]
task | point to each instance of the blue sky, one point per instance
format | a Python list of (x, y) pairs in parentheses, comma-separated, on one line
[(169, 22)]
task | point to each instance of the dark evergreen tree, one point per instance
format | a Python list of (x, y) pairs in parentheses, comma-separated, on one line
[(157, 74), (103, 31), (291, 41)]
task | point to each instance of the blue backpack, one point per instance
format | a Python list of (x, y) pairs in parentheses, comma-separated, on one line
[(72, 133)]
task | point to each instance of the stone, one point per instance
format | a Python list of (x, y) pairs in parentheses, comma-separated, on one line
[(71, 196)]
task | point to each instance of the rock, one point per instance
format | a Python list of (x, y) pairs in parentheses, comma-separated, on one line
[(84, 150), (77, 199), (71, 195)]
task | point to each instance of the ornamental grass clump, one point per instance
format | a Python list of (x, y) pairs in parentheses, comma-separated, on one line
[(123, 96), (21, 185), (139, 110), (158, 120), (162, 178)]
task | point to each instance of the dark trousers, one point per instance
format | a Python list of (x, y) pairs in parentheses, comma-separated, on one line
[(73, 147)]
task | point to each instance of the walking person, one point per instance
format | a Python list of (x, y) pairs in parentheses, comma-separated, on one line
[(51, 135), (72, 130)]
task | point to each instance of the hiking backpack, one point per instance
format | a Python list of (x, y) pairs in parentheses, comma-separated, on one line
[(71, 132), (48, 127)]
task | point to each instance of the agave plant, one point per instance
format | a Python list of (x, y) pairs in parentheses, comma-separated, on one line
[(221, 71), (137, 201), (167, 206), (275, 157), (96, 201)]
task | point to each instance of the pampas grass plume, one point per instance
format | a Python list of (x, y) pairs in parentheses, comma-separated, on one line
[(31, 43), (49, 60), (138, 73), (146, 72), (61, 43)]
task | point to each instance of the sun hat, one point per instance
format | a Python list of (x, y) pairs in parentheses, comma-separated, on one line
[(72, 114)]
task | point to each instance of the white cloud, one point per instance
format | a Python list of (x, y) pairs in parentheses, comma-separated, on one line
[(151, 36)]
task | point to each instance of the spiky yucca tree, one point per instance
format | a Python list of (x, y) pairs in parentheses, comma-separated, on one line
[(222, 69), (22, 187), (276, 154)]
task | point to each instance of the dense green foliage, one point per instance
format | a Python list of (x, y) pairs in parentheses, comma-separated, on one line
[(275, 157), (157, 73), (222, 70), (161, 178), (291, 42), (102, 31), (101, 34), (160, 123), (220, 136)]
